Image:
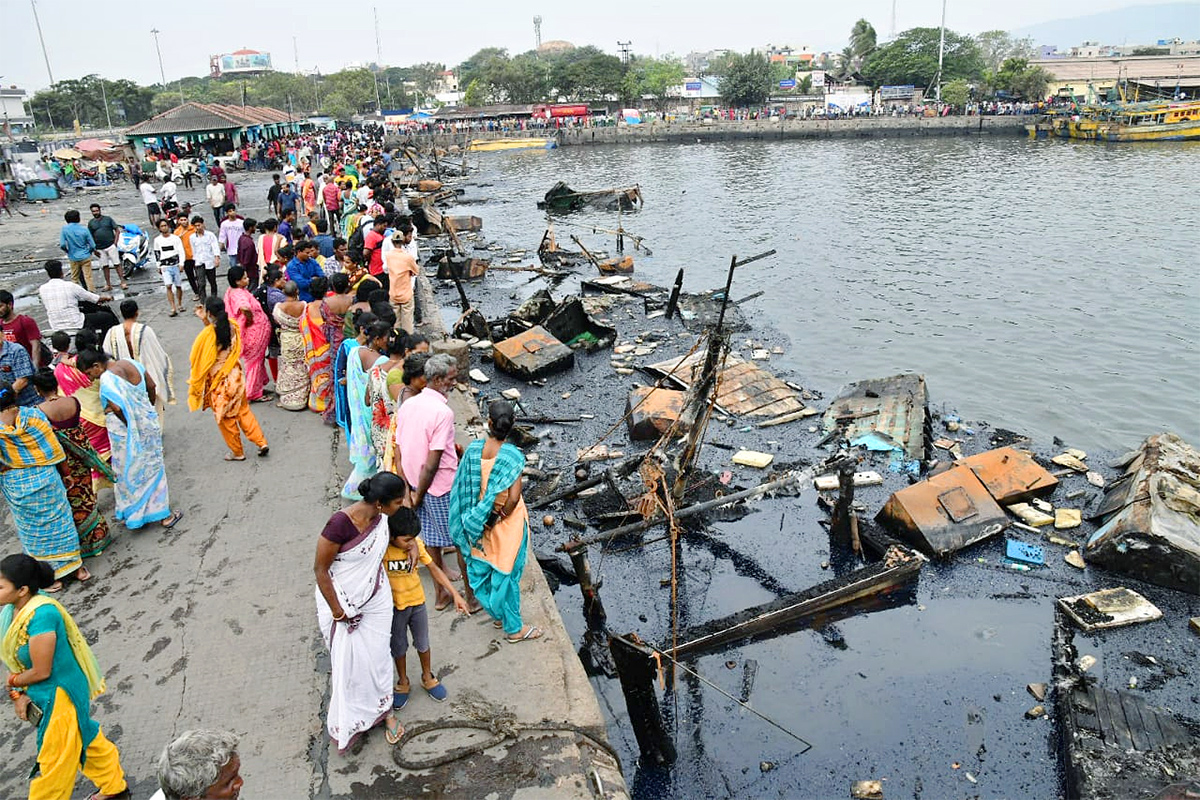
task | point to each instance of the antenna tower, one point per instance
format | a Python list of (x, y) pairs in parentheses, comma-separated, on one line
[(537, 31), (623, 47)]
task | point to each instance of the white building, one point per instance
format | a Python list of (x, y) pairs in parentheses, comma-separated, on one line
[(12, 106)]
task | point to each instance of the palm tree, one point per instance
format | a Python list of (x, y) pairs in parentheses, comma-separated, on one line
[(862, 39)]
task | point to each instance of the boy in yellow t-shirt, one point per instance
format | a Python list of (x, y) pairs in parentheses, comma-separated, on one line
[(405, 551)]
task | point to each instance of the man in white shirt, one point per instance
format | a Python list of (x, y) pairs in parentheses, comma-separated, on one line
[(167, 192), (150, 198), (230, 232), (215, 193), (168, 252), (61, 300), (206, 252)]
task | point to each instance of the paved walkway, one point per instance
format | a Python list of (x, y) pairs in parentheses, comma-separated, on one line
[(212, 624)]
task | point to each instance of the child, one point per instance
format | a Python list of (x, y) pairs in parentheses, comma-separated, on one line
[(408, 598)]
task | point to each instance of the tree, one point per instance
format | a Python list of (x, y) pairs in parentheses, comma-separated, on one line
[(345, 93), (846, 62), (956, 93), (912, 59), (748, 82), (804, 85), (426, 77), (1018, 78), (862, 39), (1151, 51), (995, 46), (653, 77), (475, 66), (584, 73), (476, 94), (83, 99)]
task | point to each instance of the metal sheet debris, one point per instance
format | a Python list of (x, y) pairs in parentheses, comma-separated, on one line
[(895, 406), (532, 354), (651, 412), (1010, 475), (945, 512), (742, 388)]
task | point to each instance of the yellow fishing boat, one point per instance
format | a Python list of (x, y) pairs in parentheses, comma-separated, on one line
[(491, 145), (1134, 122)]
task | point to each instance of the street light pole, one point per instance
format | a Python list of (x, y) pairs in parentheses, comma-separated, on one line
[(162, 73), (104, 97), (45, 55)]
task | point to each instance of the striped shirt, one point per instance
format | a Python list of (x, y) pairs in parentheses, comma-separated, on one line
[(29, 441)]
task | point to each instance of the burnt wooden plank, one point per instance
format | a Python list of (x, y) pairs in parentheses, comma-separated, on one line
[(1137, 724), (868, 581), (1103, 716), (1120, 726)]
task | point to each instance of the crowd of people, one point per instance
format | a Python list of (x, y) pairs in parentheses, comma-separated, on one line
[(318, 315)]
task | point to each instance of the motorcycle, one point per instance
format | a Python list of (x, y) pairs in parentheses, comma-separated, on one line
[(134, 247)]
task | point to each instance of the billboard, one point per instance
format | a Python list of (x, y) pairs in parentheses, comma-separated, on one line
[(897, 92), (241, 61), (790, 83), (818, 78), (693, 86)]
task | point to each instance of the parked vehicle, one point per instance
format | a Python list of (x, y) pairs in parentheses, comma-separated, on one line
[(134, 246)]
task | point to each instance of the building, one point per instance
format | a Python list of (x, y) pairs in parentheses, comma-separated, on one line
[(697, 63), (12, 105), (218, 128), (1093, 79)]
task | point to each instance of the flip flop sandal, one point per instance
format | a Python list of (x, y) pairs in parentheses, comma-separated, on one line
[(533, 633), (173, 520), (123, 795), (400, 698), (498, 625), (265, 451), (54, 588), (394, 731), (443, 605), (436, 691), (83, 578)]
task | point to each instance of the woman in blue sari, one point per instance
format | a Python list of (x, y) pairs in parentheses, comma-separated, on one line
[(490, 525), (128, 395), (359, 362), (31, 458)]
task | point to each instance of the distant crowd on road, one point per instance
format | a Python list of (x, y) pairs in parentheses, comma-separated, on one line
[(319, 305)]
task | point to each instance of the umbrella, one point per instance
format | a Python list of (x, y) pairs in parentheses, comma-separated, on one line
[(67, 152)]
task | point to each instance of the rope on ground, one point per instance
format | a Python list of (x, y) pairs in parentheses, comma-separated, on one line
[(746, 706), (502, 727)]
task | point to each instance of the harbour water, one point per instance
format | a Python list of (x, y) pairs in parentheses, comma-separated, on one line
[(1044, 286)]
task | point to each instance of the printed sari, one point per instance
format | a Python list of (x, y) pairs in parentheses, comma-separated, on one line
[(147, 351), (74, 383), (335, 335), (361, 675), (380, 409), (363, 458), (81, 461), (317, 357), (33, 487), (494, 553), (141, 490), (256, 338), (291, 384)]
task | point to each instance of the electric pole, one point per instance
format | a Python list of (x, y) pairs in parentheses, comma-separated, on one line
[(45, 55), (624, 49)]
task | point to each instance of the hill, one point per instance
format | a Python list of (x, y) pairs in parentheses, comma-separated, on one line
[(1133, 25)]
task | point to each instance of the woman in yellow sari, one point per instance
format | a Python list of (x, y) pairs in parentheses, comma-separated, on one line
[(218, 382), (53, 677)]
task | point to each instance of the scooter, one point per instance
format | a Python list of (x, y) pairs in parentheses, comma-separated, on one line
[(134, 247)]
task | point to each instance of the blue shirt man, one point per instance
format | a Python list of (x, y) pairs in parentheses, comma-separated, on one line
[(76, 241), (16, 368), (303, 268), (287, 200), (324, 244)]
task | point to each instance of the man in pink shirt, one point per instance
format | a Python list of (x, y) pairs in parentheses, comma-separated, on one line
[(331, 197), (428, 461)]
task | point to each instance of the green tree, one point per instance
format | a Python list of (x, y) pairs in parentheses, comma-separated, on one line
[(426, 77), (476, 93), (781, 71), (804, 85), (346, 93), (862, 39), (475, 66), (996, 46), (584, 73), (1151, 51), (748, 82), (912, 58), (956, 93), (720, 65), (84, 98), (522, 79), (653, 78), (1017, 77)]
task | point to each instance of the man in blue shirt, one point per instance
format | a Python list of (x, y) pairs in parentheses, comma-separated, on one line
[(323, 239), (303, 268), (16, 368), (285, 225), (287, 199), (77, 242)]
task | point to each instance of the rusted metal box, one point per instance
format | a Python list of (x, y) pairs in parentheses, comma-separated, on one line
[(1009, 474), (532, 354), (944, 513), (650, 412)]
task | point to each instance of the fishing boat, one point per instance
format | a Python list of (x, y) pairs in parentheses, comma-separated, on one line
[(1134, 122), (563, 198), (492, 145)]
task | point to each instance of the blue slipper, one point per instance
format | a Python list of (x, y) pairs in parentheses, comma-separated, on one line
[(437, 691), (399, 698)]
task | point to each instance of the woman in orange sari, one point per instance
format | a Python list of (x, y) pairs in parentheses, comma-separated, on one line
[(74, 383), (218, 381), (316, 348)]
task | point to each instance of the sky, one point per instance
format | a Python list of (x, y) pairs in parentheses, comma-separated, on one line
[(119, 44)]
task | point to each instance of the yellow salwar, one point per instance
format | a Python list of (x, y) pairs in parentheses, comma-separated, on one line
[(58, 760)]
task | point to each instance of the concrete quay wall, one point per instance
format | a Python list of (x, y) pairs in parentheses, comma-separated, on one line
[(754, 130)]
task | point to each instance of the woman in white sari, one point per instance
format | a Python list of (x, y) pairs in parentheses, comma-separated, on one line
[(136, 341), (354, 612)]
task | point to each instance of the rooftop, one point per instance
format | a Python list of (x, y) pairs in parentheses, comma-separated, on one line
[(196, 117)]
